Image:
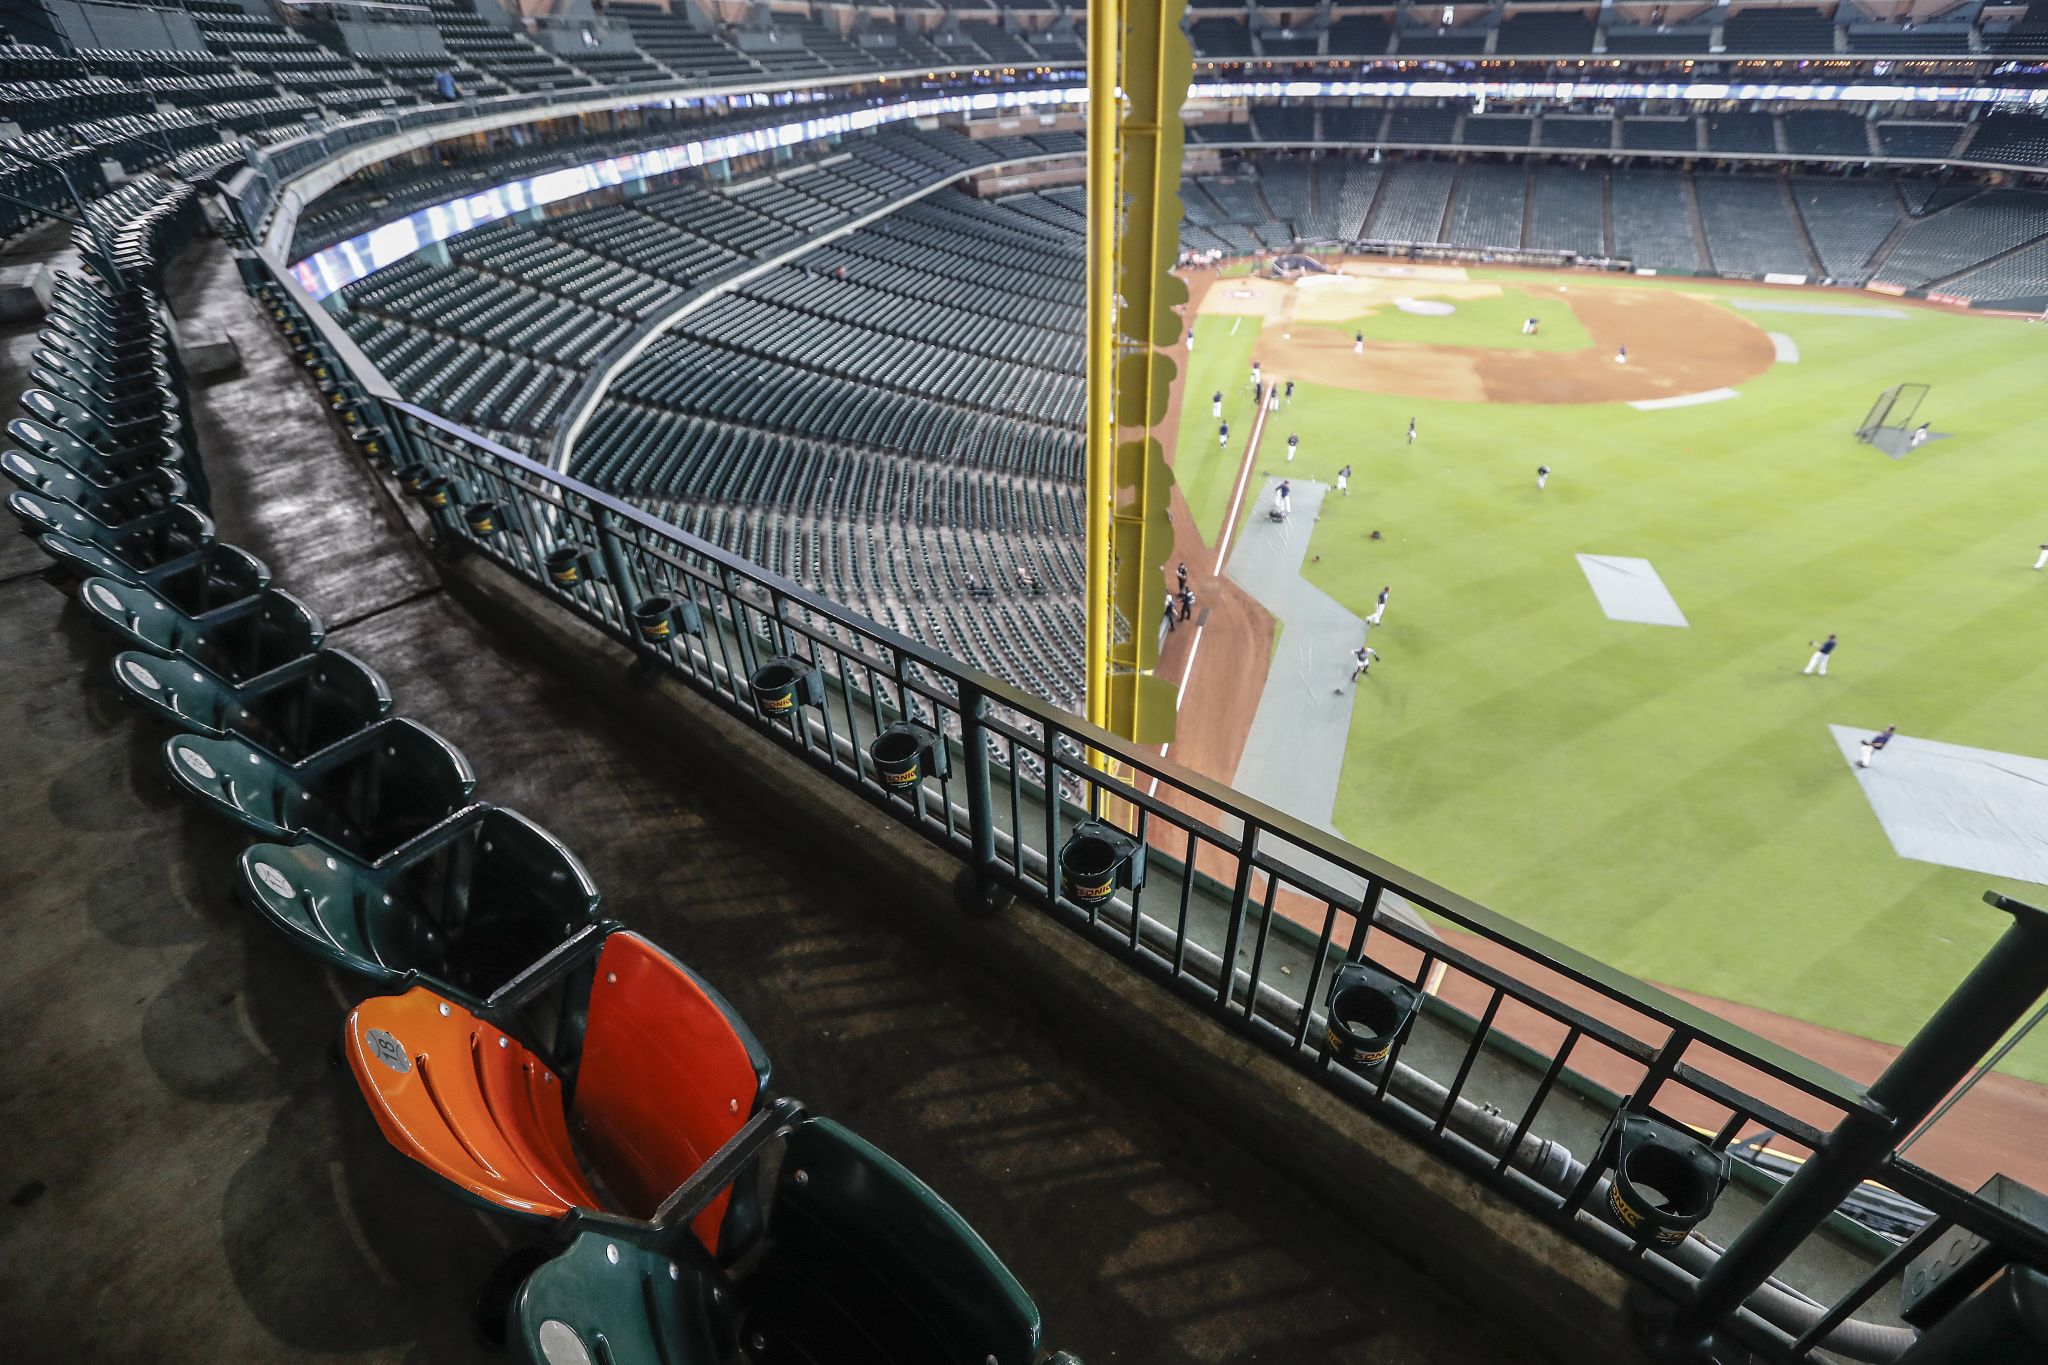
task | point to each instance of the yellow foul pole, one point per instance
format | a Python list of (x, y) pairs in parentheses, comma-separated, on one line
[(1104, 113), (1139, 65)]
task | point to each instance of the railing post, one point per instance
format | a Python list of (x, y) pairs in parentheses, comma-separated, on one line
[(981, 828), (1996, 993)]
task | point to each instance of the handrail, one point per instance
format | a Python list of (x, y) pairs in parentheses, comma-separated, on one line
[(1577, 966)]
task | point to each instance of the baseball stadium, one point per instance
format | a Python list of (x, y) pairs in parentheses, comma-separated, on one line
[(746, 682)]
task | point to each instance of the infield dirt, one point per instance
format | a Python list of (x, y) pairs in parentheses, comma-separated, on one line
[(1677, 344)]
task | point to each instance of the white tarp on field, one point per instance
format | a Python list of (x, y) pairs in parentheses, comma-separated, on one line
[(1629, 590), (1944, 803)]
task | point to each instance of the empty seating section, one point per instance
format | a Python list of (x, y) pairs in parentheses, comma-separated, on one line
[(1442, 42), (2020, 280), (1742, 132), (1652, 223), (1498, 130), (1848, 221), (1953, 239), (1566, 209), (1655, 40), (1288, 190), (1423, 127), (1749, 227), (1660, 134), (1487, 208), (1562, 130), (1545, 35), (1819, 132), (1222, 38), (1285, 122), (1932, 141), (1351, 186), (1353, 125), (1793, 30), (1411, 203), (894, 419), (2010, 139), (682, 47), (1365, 35)]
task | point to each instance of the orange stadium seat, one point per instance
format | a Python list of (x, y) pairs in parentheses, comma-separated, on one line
[(662, 1075)]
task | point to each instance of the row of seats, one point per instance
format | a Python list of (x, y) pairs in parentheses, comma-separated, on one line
[(1818, 134), (531, 1057), (1750, 223), (1790, 31)]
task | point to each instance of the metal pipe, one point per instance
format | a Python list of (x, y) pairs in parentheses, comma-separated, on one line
[(1100, 489), (1997, 992)]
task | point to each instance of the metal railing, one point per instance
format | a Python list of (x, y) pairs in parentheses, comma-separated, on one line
[(1022, 782), (1247, 913)]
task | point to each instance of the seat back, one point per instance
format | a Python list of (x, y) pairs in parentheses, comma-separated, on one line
[(867, 1266), (48, 442), (668, 1074), (492, 897), (216, 576), (332, 697), (390, 783), (147, 543), (256, 635)]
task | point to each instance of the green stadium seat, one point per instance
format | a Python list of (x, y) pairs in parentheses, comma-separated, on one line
[(651, 1071), (240, 641), (290, 712), (863, 1264), (646, 1307), (466, 905), (112, 506), (157, 541), (365, 795), (53, 443)]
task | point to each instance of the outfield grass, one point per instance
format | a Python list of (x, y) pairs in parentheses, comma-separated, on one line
[(1670, 800), (1494, 323)]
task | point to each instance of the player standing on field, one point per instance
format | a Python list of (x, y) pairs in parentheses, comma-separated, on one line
[(1358, 343), (1542, 476), (1380, 607), (1216, 403), (1344, 487), (1873, 746), (1821, 651), (2043, 560), (1290, 393), (1361, 661), (1411, 431), (1293, 446), (1223, 434)]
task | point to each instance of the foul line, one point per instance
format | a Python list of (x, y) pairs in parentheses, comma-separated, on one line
[(1187, 672), (1244, 474)]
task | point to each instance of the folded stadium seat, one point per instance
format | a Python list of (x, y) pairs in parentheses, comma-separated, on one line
[(290, 712), (465, 905), (366, 794), (648, 1066), (156, 541), (53, 487), (151, 435), (240, 641), (863, 1265)]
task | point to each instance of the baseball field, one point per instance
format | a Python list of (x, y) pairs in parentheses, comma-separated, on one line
[(1674, 796)]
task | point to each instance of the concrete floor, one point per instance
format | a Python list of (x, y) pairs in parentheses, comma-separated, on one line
[(186, 1176)]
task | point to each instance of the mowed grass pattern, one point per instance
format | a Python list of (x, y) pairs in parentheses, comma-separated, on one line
[(1670, 800)]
